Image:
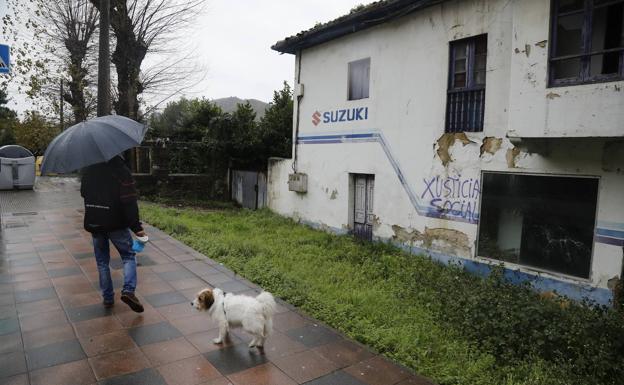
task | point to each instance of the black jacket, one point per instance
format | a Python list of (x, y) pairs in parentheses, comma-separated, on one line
[(110, 197)]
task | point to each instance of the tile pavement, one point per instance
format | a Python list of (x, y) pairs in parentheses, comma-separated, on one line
[(54, 330)]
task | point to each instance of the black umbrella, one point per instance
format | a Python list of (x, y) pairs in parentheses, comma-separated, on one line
[(93, 141)]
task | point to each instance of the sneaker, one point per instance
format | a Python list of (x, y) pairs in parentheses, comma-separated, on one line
[(131, 300), (108, 303)]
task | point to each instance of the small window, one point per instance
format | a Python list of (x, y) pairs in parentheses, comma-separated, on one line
[(546, 222), (587, 41), (359, 78), (466, 91)]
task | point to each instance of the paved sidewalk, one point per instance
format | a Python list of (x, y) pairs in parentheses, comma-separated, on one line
[(54, 330)]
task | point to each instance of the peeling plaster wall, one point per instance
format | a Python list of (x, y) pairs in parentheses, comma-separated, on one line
[(402, 141)]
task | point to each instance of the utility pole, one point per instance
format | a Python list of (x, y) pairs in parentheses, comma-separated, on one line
[(61, 104), (103, 98)]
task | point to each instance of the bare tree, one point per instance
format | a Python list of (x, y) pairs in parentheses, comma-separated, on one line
[(54, 41), (73, 24), (30, 56), (141, 27)]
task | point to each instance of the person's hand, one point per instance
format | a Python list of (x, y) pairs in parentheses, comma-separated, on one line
[(140, 233)]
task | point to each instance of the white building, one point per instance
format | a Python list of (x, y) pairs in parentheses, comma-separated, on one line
[(476, 131)]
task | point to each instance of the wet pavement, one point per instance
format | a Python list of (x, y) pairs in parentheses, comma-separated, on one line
[(54, 330)]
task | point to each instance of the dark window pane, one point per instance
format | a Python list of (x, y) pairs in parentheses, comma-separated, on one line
[(480, 62), (366, 80), (607, 33), (607, 27), (605, 64), (541, 221), (460, 65), (481, 45), (459, 80), (359, 78), (460, 50), (569, 33), (564, 69), (570, 5)]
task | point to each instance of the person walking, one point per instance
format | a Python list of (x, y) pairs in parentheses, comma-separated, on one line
[(111, 212)]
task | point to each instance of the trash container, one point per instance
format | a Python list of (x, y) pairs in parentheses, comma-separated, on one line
[(17, 168)]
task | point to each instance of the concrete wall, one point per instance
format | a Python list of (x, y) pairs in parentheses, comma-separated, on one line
[(399, 134)]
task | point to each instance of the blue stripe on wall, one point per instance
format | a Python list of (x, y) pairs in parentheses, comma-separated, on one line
[(341, 136), (610, 241), (573, 290), (604, 235), (364, 137), (610, 233)]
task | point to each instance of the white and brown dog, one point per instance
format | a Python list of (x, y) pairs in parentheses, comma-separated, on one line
[(254, 315)]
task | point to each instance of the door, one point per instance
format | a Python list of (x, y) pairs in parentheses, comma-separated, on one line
[(261, 189), (249, 189), (363, 206)]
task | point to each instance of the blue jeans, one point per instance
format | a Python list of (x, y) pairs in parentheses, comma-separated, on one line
[(122, 240)]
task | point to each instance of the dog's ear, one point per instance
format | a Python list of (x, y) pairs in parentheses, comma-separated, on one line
[(206, 299)]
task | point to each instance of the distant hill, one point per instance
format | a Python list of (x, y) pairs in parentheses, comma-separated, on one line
[(229, 105)]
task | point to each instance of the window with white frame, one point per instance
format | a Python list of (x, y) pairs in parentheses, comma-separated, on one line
[(359, 79), (541, 221)]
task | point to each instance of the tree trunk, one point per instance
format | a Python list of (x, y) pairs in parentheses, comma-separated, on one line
[(127, 57), (103, 105), (76, 97)]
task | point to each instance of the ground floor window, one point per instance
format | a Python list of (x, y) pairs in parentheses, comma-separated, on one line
[(540, 221)]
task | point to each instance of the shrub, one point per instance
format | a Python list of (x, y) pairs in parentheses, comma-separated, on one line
[(512, 323)]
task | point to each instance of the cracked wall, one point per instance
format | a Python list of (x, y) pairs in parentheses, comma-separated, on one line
[(416, 158), (444, 240)]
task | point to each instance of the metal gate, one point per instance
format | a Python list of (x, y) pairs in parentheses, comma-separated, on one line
[(363, 206), (249, 188)]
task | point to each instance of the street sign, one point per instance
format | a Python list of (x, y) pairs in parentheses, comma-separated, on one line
[(4, 59)]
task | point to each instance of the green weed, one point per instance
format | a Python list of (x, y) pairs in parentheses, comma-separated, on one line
[(444, 323)]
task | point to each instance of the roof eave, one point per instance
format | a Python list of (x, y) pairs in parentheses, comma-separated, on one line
[(358, 21)]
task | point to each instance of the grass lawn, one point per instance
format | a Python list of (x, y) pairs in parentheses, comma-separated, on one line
[(438, 320)]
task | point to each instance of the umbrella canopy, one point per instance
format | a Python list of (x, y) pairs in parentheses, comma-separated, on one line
[(93, 141)]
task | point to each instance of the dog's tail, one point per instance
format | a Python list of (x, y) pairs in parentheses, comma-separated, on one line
[(268, 308)]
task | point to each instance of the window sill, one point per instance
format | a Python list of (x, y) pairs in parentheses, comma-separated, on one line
[(463, 131), (569, 83), (534, 270)]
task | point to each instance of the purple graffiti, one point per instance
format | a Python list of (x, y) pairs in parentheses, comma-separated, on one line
[(453, 195)]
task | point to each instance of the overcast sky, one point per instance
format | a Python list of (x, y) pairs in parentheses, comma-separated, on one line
[(232, 41), (235, 37)]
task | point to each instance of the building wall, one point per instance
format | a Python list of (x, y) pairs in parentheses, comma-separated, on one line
[(400, 134), (538, 111)]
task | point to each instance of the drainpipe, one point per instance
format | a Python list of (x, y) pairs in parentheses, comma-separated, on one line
[(299, 96)]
